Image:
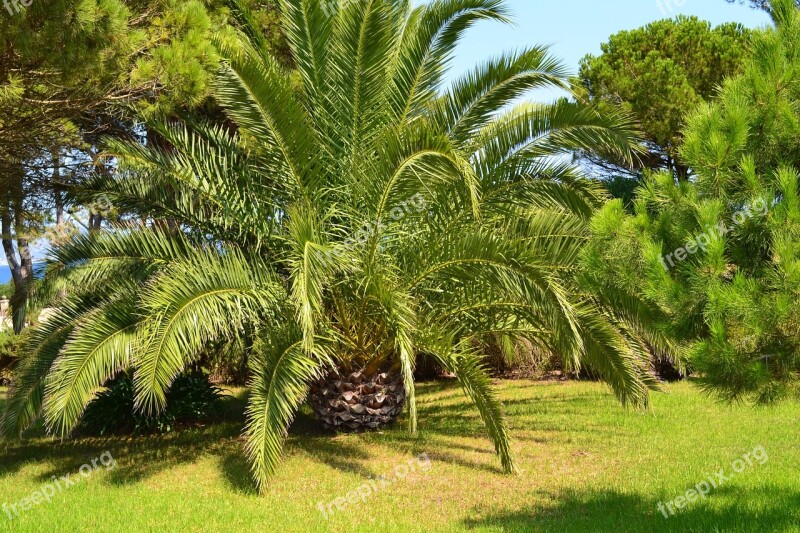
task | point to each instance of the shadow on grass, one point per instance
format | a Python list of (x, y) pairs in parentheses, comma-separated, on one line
[(440, 428), (615, 512), (141, 457), (137, 457), (307, 436)]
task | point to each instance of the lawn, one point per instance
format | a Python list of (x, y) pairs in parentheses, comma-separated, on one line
[(586, 464)]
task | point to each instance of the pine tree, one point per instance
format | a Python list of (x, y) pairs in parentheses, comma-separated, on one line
[(65, 68), (720, 256), (658, 73)]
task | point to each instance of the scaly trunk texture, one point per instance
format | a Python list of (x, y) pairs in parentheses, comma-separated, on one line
[(358, 401)]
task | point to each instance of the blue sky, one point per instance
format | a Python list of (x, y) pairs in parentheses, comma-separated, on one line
[(575, 28)]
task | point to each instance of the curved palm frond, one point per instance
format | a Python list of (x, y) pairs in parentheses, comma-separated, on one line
[(532, 131), (282, 371), (614, 358), (27, 394), (95, 351), (428, 42), (466, 365), (257, 94), (475, 99), (98, 261), (204, 298)]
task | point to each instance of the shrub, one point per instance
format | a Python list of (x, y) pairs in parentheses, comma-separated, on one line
[(9, 353), (510, 357), (226, 362), (191, 399)]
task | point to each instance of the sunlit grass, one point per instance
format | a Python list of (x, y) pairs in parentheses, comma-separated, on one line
[(587, 465)]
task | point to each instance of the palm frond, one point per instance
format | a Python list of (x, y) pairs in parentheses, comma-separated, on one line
[(308, 27), (101, 346), (429, 40), (212, 295), (532, 131), (474, 99), (282, 371), (467, 366), (616, 360), (257, 94), (310, 267), (26, 395), (96, 260), (361, 51)]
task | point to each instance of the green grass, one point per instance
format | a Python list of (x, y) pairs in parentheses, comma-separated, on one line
[(586, 465)]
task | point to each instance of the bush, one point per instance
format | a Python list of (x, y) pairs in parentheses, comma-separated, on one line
[(9, 353), (226, 362), (192, 399), (519, 358)]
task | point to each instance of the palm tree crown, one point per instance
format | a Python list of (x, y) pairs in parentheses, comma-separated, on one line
[(352, 212)]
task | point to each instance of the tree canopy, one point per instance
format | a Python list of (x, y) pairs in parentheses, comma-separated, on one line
[(70, 73), (659, 73), (720, 254)]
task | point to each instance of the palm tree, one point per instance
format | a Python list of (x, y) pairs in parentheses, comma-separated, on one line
[(351, 215)]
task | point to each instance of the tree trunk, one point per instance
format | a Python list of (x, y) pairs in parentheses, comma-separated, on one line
[(58, 191), (95, 222), (21, 269), (96, 217), (682, 172), (359, 400)]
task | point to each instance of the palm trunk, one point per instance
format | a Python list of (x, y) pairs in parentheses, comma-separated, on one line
[(366, 399)]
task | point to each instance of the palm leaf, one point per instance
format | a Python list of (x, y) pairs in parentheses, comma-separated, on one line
[(467, 366), (282, 371), (96, 350), (208, 297)]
